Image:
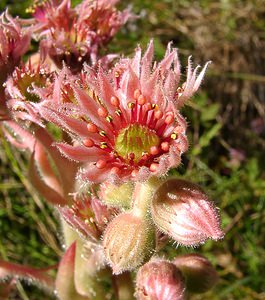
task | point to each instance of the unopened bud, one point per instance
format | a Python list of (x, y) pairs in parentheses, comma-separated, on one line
[(159, 280), (199, 273), (117, 196), (183, 211), (128, 241)]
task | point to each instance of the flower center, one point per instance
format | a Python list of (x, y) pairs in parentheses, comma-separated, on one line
[(134, 141)]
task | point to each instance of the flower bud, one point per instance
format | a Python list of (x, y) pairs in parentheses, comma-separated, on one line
[(199, 273), (159, 280), (128, 241), (183, 211), (116, 195)]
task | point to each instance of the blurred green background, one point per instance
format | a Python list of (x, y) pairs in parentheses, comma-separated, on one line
[(226, 133)]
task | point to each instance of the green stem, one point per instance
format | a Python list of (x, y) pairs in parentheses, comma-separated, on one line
[(124, 286), (142, 196)]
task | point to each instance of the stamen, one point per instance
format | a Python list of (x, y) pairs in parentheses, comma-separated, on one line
[(102, 112), (115, 101), (92, 128), (101, 164), (118, 112), (153, 167), (141, 100), (174, 136), (136, 94), (115, 170), (169, 119), (165, 146), (103, 145), (158, 114), (154, 150), (145, 155), (131, 105), (154, 106), (109, 119), (102, 133), (88, 143)]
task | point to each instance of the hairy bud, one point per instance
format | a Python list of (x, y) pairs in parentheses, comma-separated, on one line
[(128, 241), (159, 280), (199, 273), (183, 211)]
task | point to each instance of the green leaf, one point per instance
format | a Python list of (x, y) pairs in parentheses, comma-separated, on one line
[(206, 138)]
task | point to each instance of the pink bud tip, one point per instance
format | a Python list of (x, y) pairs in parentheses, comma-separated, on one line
[(159, 280), (183, 211)]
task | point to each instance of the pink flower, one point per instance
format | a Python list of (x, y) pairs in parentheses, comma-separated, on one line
[(87, 216), (21, 92), (126, 124), (74, 35), (14, 42)]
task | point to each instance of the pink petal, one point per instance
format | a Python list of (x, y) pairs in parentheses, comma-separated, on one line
[(81, 153)]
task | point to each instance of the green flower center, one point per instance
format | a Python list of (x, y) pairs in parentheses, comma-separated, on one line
[(134, 141)]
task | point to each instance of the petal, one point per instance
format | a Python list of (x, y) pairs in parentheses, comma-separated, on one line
[(81, 153)]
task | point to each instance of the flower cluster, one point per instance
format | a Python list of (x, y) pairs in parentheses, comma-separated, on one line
[(102, 137), (14, 42), (75, 35)]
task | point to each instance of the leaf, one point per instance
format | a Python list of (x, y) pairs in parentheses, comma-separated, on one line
[(47, 192), (38, 276), (87, 279), (66, 168), (210, 112), (205, 139), (65, 287)]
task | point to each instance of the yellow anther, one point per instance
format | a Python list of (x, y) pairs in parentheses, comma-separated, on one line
[(109, 119), (118, 112), (131, 105), (117, 74), (174, 135), (102, 133), (103, 145), (154, 106), (179, 89)]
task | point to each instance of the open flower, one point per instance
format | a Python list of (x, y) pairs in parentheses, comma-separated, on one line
[(126, 124), (22, 99), (87, 216), (74, 35), (14, 42)]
